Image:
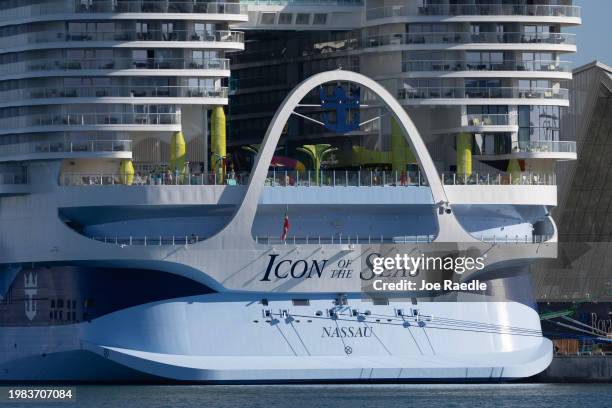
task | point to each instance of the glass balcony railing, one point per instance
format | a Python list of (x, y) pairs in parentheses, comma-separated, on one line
[(324, 178), (467, 38), (350, 43), (90, 119), (43, 65), (303, 2), (407, 93), (39, 37), (488, 179), (77, 146), (114, 92), (460, 65), (15, 176), (544, 146), (487, 119), (120, 6), (473, 10), (532, 146)]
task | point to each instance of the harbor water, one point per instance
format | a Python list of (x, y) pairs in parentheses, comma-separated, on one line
[(341, 396)]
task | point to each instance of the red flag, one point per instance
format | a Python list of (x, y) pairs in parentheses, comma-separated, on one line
[(285, 228)]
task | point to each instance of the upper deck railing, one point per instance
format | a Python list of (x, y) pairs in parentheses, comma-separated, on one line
[(544, 146), (303, 2), (467, 38), (340, 239), (509, 65), (18, 10), (407, 92), (474, 10), (90, 119), (43, 37), (52, 64), (90, 91), (76, 146), (326, 178)]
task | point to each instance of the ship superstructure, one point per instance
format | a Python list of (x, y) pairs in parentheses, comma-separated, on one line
[(126, 256)]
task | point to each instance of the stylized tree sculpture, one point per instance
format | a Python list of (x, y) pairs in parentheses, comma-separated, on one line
[(254, 148), (317, 153)]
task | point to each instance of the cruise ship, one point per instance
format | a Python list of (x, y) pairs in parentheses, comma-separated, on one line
[(163, 218)]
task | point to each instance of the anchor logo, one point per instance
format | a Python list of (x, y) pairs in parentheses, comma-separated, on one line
[(30, 289), (342, 104)]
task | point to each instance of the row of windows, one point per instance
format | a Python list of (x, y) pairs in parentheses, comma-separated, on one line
[(58, 315), (59, 303), (291, 18)]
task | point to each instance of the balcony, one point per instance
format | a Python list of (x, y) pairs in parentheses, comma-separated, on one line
[(167, 6), (95, 121), (44, 37), (121, 6), (14, 175), (69, 65), (535, 149), (461, 65), (477, 120), (33, 94), (407, 93), (474, 10), (61, 149), (467, 38)]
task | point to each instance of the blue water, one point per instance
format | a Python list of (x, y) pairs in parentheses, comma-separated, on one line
[(343, 396)]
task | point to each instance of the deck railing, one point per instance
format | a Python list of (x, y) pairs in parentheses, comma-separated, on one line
[(473, 10), (90, 119), (51, 64), (467, 38), (406, 92), (14, 9), (41, 37), (191, 239), (67, 146), (53, 92), (331, 178), (544, 146), (508, 65), (489, 119)]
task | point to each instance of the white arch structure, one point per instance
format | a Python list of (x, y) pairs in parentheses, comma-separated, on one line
[(449, 229)]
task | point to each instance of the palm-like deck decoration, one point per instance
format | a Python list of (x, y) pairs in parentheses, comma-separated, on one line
[(254, 148), (317, 153)]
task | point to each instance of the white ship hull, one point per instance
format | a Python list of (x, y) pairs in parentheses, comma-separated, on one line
[(227, 338)]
